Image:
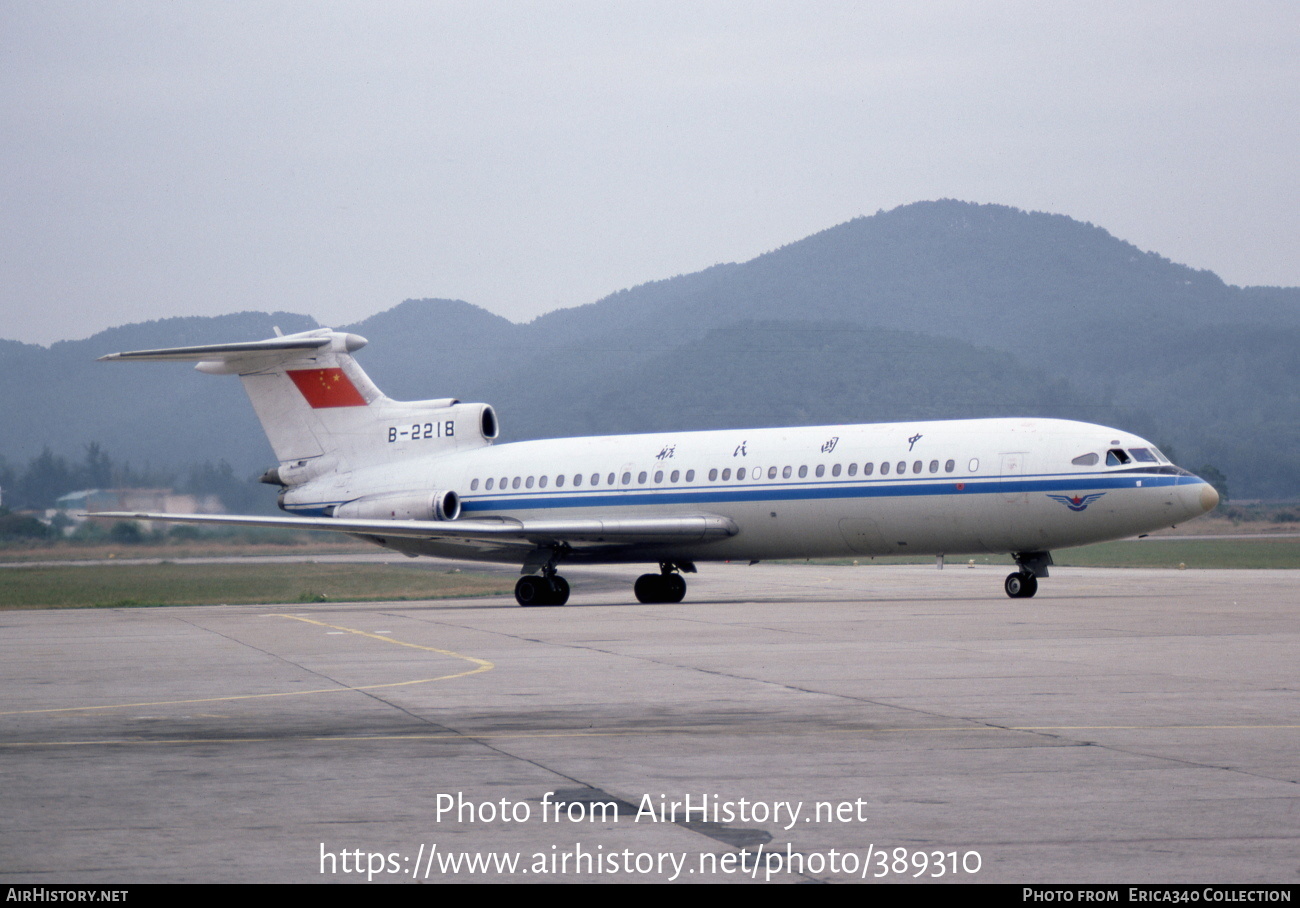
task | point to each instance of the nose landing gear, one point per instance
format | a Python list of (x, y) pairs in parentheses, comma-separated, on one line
[(1024, 583), (1020, 585)]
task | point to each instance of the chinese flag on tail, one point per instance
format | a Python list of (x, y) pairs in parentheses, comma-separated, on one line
[(327, 388)]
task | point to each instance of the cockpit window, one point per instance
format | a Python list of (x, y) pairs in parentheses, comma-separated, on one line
[(1086, 460), (1116, 457), (1143, 455)]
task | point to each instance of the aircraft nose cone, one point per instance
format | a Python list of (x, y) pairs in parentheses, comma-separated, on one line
[(1209, 498)]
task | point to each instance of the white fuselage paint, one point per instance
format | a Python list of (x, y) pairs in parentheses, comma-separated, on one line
[(996, 498)]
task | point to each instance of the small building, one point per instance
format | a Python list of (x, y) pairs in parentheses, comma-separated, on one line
[(89, 501)]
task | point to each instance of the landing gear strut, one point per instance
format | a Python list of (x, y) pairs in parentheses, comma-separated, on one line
[(666, 586), (1024, 583)]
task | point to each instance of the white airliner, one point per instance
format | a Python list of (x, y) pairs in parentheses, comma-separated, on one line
[(424, 478)]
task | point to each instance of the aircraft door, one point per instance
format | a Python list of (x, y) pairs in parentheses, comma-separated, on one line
[(1000, 526), (1012, 475)]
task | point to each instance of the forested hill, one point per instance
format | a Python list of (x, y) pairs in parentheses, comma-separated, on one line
[(933, 310), (952, 267)]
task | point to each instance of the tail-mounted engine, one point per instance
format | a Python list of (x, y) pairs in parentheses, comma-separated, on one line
[(432, 426), (402, 430)]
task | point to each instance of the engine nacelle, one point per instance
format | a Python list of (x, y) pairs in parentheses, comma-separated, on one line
[(410, 428), (441, 505), (487, 421)]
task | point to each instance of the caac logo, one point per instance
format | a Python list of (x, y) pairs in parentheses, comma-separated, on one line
[(1078, 502)]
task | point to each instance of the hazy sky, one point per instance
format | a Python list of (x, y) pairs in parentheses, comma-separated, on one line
[(174, 158)]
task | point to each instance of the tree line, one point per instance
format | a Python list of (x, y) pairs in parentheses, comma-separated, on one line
[(48, 476)]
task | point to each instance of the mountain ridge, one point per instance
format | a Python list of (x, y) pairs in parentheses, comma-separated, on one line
[(1037, 311)]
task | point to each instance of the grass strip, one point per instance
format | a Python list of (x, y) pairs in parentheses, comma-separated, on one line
[(125, 586), (1253, 553)]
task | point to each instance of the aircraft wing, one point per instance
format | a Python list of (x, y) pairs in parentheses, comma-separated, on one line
[(573, 531)]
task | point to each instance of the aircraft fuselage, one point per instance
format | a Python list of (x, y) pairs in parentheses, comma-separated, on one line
[(952, 487), (425, 478)]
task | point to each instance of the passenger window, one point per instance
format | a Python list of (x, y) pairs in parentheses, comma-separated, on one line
[(868, 469), (853, 469), (916, 466), (528, 484), (934, 466), (640, 478), (949, 466), (488, 485), (821, 470), (542, 482), (690, 476), (577, 479), (473, 485), (627, 479), (974, 464), (659, 476), (713, 474), (785, 473), (514, 484), (771, 472), (609, 480), (740, 473), (803, 471), (675, 476), (884, 468), (595, 479), (1086, 460), (835, 470), (901, 468), (726, 474), (504, 480)]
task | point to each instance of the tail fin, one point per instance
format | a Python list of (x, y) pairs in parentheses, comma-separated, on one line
[(314, 400)]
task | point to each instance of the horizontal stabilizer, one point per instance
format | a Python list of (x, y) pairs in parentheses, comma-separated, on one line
[(221, 352), (250, 356)]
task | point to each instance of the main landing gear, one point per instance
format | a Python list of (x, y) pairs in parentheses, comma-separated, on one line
[(666, 586), (548, 589), (1024, 583)]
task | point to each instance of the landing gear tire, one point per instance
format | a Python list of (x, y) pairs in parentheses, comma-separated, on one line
[(533, 591), (657, 588), (530, 591), (647, 588), (1020, 586), (674, 587)]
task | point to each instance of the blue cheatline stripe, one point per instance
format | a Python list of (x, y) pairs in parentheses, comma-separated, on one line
[(785, 491), (715, 494)]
